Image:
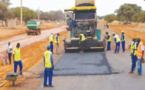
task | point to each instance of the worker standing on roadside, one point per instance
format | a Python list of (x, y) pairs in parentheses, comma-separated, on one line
[(133, 49), (107, 24), (108, 41), (82, 42), (17, 58), (123, 41), (9, 52), (51, 42), (57, 41), (117, 41), (49, 66), (140, 55)]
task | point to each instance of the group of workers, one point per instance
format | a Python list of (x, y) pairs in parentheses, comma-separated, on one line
[(117, 42), (48, 60), (136, 47), (106, 25)]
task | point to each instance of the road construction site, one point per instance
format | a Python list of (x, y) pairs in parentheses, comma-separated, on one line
[(87, 71)]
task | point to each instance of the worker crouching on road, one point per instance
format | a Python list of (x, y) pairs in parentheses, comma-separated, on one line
[(133, 49), (117, 41), (57, 41), (82, 42), (108, 41), (17, 58), (49, 66), (51, 42), (140, 55), (123, 41)]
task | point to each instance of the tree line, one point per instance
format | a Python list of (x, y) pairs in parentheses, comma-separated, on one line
[(127, 13), (11, 13)]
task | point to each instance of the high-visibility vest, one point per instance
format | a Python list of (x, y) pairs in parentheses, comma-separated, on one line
[(109, 39), (139, 51), (124, 38), (57, 40), (17, 54), (47, 55), (133, 48), (83, 37), (117, 38), (51, 38)]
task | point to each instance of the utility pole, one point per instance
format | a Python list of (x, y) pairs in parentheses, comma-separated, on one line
[(21, 16)]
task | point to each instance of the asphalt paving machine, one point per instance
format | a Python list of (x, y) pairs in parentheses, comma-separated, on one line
[(84, 20)]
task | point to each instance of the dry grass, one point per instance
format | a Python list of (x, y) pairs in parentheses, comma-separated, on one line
[(132, 31)]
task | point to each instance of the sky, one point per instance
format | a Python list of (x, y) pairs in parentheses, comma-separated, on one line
[(104, 7)]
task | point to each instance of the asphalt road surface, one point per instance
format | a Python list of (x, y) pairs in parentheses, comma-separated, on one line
[(94, 63)]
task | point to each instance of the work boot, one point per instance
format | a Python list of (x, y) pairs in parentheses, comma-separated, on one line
[(131, 72)]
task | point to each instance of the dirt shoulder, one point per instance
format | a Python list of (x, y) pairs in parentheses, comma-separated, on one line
[(6, 33), (32, 58)]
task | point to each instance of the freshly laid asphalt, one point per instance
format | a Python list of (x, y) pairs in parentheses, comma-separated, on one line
[(91, 63)]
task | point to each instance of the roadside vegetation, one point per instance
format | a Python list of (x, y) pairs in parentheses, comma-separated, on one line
[(12, 13), (127, 13)]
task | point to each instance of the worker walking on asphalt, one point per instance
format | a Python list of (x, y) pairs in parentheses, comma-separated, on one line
[(133, 49), (51, 42), (9, 52), (49, 66), (57, 41), (82, 42), (140, 55), (117, 41), (17, 58), (108, 41), (123, 41)]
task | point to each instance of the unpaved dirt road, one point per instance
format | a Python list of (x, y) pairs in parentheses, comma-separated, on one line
[(28, 40)]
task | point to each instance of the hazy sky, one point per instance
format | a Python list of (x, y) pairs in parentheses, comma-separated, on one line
[(104, 6)]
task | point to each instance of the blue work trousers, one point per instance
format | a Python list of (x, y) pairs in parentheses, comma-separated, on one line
[(108, 45), (134, 59), (117, 47), (123, 46), (48, 74), (139, 66), (16, 63), (51, 46)]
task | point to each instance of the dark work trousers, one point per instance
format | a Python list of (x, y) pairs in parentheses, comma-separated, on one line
[(9, 56), (82, 45)]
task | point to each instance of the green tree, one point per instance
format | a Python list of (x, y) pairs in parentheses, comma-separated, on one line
[(3, 12), (27, 13), (126, 11), (139, 17), (110, 18), (5, 2)]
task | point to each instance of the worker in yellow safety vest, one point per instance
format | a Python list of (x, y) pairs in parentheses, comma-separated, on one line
[(107, 24), (57, 41), (108, 37), (51, 42), (123, 40), (117, 41), (17, 58), (49, 67), (82, 42), (133, 49), (140, 56)]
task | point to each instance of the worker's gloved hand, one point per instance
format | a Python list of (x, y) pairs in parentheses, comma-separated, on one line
[(52, 68)]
